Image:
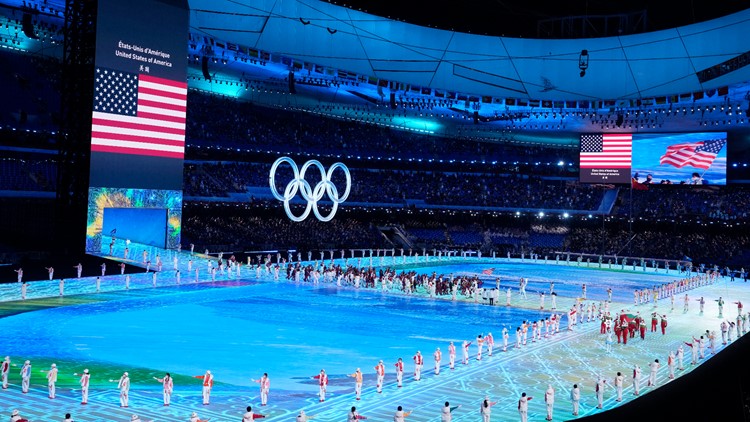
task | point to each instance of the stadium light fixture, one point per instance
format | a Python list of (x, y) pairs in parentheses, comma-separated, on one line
[(583, 62)]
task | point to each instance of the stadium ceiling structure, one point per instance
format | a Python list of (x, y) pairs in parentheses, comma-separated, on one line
[(662, 63), (686, 78), (318, 57)]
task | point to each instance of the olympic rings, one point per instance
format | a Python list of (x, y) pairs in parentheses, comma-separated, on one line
[(310, 194)]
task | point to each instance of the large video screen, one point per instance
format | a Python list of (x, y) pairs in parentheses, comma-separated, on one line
[(139, 114), (606, 158), (654, 158), (680, 158)]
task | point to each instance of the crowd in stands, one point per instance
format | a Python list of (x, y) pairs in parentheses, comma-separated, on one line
[(33, 84), (717, 203), (231, 143), (235, 124), (225, 228), (28, 175), (698, 246), (258, 227), (397, 186)]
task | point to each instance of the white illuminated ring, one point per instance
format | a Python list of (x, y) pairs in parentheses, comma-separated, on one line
[(308, 193)]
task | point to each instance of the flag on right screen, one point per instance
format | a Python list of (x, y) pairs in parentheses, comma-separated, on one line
[(696, 154)]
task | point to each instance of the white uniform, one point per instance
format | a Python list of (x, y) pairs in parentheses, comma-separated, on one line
[(265, 388), (322, 385), (25, 376), (301, 417), (549, 400), (619, 381), (636, 380), (418, 362), (451, 355), (124, 386), (208, 383), (446, 415), (380, 373), (600, 392), (654, 366), (399, 372), (486, 409), (51, 380), (168, 386), (523, 407), (575, 397), (85, 386), (4, 370), (400, 415)]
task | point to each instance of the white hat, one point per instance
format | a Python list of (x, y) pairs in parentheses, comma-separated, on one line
[(135, 418), (54, 366), (7, 358), (194, 415), (27, 362), (207, 371), (15, 412), (302, 412), (125, 373), (85, 371)]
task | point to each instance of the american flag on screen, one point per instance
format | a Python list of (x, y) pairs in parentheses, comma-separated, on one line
[(696, 154), (138, 114), (606, 150)]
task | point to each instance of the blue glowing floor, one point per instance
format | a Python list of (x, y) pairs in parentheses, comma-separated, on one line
[(240, 328)]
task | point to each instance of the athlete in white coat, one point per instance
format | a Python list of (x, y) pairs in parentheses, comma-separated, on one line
[(4, 369), (619, 381), (600, 383), (322, 384), (380, 374), (354, 416), (523, 407), (446, 415), (124, 385), (466, 351), (167, 386), (250, 416), (265, 388), (452, 355), (438, 355), (208, 384), (85, 376), (575, 397), (51, 380), (25, 376), (418, 362), (486, 409), (357, 375), (400, 415), (399, 372), (654, 366), (636, 380), (549, 400)]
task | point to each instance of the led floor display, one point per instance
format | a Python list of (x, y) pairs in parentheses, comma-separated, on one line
[(240, 328)]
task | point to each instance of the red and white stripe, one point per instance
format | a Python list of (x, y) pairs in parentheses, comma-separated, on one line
[(681, 155), (158, 129), (617, 152)]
